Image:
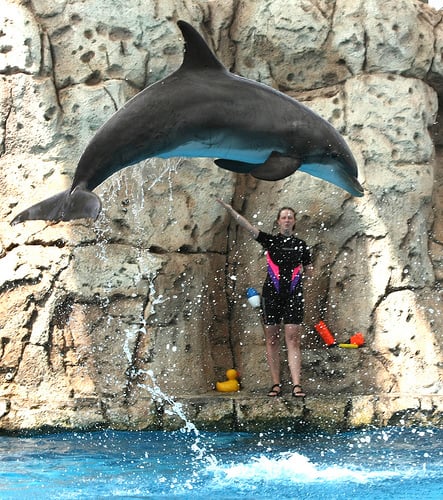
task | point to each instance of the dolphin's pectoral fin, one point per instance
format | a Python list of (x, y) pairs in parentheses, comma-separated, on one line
[(276, 167), (335, 174), (240, 167), (63, 206)]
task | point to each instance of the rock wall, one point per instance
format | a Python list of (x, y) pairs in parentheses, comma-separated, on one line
[(96, 320)]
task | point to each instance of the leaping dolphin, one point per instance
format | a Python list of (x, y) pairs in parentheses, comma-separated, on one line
[(202, 110)]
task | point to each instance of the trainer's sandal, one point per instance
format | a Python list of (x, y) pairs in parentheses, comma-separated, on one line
[(275, 391), (299, 392)]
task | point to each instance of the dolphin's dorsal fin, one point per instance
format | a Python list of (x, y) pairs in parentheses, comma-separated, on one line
[(197, 53)]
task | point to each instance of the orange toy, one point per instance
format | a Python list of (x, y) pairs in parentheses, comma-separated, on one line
[(325, 333), (357, 339)]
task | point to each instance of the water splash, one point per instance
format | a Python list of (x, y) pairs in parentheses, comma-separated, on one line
[(154, 299), (171, 167), (176, 409), (130, 338), (293, 468)]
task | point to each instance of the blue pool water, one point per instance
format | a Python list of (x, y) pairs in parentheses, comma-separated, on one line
[(392, 463)]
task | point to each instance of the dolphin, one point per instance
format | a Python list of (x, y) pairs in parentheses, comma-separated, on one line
[(203, 110)]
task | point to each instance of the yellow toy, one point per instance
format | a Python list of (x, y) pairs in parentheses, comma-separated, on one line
[(230, 385), (355, 341)]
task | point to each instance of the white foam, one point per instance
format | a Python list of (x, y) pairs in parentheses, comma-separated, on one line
[(293, 467)]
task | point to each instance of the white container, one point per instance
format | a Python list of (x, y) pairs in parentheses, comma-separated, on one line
[(253, 297)]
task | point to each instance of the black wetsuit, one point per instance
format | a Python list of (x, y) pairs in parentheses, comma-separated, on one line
[(282, 296)]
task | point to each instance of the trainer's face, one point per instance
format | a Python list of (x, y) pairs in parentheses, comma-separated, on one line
[(286, 221)]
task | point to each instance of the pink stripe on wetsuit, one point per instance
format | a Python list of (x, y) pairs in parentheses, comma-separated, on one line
[(274, 273)]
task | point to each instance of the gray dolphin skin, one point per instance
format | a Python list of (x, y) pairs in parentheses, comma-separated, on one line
[(202, 110)]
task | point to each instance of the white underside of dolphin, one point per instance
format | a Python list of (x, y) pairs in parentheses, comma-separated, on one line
[(253, 157), (202, 110), (228, 149)]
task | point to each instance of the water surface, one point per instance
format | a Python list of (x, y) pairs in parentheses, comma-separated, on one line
[(392, 463)]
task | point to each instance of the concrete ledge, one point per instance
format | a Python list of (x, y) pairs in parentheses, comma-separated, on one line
[(240, 412), (226, 412)]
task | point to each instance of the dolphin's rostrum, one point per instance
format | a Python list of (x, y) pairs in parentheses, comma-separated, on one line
[(202, 110)]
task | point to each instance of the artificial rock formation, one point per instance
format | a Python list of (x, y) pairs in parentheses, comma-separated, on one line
[(101, 324)]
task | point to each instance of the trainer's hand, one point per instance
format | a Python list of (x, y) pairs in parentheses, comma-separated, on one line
[(223, 204)]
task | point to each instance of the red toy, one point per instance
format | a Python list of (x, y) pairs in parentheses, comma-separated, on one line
[(325, 333), (357, 339)]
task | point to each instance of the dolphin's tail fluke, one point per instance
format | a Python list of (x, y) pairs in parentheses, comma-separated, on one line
[(77, 204)]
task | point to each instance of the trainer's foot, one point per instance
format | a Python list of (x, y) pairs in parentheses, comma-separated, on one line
[(297, 391), (275, 391)]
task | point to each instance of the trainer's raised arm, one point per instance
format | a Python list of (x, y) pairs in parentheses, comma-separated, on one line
[(239, 219)]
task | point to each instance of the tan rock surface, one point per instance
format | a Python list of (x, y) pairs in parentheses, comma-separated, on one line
[(96, 319)]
